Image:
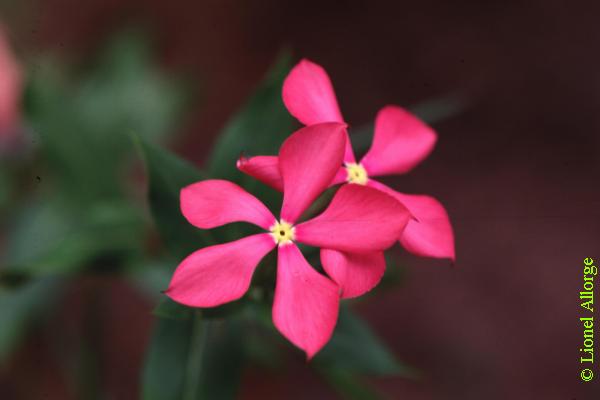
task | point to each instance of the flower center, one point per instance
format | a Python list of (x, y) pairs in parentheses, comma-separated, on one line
[(356, 174), (282, 232)]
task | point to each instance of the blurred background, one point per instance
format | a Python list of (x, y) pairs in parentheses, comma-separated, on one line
[(514, 86)]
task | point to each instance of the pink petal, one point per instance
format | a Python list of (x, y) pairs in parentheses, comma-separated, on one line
[(359, 219), (266, 170), (308, 161), (348, 152), (213, 203), (340, 177), (401, 141), (430, 233), (305, 308), (10, 88), (355, 273), (309, 96), (263, 168), (218, 274)]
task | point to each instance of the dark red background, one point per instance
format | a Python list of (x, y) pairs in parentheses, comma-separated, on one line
[(517, 171)]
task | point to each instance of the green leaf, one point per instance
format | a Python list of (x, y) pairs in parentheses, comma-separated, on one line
[(22, 307), (167, 308), (165, 367), (259, 128), (441, 108), (167, 175), (354, 347), (353, 351), (150, 276), (48, 237), (193, 359), (222, 360)]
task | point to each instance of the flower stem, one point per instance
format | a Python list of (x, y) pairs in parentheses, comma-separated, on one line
[(195, 358)]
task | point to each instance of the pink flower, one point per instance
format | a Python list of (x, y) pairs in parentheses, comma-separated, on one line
[(358, 220), (10, 90), (400, 142)]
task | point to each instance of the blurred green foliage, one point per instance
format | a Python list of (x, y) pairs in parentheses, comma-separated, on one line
[(77, 214), (167, 175), (258, 128), (21, 307)]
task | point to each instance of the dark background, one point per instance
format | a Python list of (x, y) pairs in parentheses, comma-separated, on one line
[(517, 171)]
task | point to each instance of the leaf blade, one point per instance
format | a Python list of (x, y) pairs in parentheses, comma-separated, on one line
[(167, 175)]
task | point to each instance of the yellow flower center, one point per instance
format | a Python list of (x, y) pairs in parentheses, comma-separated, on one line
[(282, 232), (356, 174)]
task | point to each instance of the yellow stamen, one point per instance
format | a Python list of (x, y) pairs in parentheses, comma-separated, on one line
[(282, 232), (356, 174)]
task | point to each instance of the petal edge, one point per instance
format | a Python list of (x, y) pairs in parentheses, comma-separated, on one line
[(356, 274), (263, 168), (359, 219), (309, 96), (211, 203), (308, 162), (430, 234), (218, 274), (306, 304), (400, 142)]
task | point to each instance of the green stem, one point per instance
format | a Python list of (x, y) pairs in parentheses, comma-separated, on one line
[(194, 362)]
